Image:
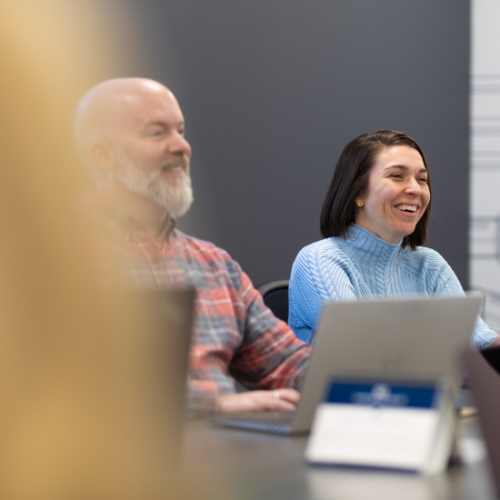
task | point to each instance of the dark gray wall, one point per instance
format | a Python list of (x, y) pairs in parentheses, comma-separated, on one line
[(273, 89)]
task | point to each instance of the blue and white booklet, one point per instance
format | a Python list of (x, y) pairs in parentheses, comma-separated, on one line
[(384, 423)]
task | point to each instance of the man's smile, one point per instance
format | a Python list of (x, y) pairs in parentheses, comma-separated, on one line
[(178, 168), (174, 171)]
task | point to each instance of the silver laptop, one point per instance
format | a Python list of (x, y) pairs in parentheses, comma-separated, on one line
[(415, 338)]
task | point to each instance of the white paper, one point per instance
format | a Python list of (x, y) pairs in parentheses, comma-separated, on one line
[(400, 438)]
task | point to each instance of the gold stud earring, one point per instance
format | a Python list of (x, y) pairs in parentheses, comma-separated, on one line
[(360, 203)]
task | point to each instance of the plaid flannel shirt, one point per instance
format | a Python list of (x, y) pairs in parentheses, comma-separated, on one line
[(234, 333)]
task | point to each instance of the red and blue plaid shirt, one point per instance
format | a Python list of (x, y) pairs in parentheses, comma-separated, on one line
[(235, 336)]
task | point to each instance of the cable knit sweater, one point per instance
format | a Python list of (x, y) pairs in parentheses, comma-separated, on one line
[(332, 269)]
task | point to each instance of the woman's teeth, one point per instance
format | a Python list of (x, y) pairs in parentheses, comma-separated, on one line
[(407, 208)]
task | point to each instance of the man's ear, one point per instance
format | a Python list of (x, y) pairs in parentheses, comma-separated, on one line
[(103, 156)]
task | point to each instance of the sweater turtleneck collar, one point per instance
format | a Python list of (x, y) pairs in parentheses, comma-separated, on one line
[(374, 251)]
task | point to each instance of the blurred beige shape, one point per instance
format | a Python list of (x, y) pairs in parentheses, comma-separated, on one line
[(80, 415)]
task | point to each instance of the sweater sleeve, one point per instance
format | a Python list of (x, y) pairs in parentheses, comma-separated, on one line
[(448, 284), (319, 274)]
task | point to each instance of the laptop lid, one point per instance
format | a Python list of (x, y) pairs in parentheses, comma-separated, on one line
[(414, 337)]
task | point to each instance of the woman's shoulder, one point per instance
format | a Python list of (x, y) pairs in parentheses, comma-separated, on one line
[(424, 257), (321, 272), (430, 266), (424, 253)]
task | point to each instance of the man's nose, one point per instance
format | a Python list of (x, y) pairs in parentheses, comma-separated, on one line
[(179, 144)]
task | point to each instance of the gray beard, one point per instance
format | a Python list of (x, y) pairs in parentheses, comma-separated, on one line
[(175, 198)]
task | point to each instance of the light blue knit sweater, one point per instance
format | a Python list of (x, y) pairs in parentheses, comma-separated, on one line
[(331, 269)]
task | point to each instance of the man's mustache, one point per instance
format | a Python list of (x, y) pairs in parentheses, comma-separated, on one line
[(181, 160)]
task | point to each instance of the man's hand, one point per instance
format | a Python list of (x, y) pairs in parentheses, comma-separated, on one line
[(278, 400)]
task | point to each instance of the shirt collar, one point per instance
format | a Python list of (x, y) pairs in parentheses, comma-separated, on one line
[(131, 227)]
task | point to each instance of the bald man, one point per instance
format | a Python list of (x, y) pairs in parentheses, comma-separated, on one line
[(130, 133)]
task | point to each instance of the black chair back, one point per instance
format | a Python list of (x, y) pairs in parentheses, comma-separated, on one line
[(275, 295)]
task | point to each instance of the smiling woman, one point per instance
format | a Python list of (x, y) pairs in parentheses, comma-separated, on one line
[(374, 220)]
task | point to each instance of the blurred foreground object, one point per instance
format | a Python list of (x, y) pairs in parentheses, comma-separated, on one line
[(82, 414)]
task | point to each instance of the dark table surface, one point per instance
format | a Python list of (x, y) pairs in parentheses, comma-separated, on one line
[(251, 465)]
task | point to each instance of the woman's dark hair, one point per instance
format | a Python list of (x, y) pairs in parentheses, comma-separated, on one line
[(350, 180)]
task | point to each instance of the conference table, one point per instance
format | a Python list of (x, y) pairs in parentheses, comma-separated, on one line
[(245, 465)]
